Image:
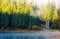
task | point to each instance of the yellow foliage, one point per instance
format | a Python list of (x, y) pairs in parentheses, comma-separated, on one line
[(15, 6), (39, 11), (31, 6), (55, 16), (48, 12), (14, 9)]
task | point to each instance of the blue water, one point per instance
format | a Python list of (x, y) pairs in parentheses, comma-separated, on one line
[(24, 35)]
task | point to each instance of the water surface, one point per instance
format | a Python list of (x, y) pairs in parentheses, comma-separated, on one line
[(30, 35)]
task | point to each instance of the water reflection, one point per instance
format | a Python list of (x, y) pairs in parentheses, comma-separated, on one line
[(25, 35), (20, 36)]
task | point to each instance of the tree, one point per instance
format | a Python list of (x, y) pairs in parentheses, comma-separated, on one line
[(48, 13), (15, 14), (59, 17), (55, 16), (54, 24)]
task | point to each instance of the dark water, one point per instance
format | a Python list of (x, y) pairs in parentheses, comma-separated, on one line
[(25, 35)]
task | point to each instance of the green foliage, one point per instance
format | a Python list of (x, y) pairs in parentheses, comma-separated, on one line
[(15, 21), (16, 15), (54, 24)]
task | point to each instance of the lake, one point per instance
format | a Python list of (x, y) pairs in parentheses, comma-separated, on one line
[(23, 35)]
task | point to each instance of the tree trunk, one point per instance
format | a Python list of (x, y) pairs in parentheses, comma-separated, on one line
[(59, 25), (47, 24)]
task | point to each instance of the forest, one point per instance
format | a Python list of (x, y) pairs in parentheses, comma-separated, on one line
[(18, 14)]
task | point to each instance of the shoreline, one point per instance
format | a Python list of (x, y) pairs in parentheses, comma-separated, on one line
[(18, 30)]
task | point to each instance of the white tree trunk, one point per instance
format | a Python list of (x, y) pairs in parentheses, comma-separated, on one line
[(47, 24)]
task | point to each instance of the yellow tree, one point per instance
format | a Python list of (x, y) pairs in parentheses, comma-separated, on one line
[(59, 17), (55, 16), (0, 5), (4, 5), (48, 13), (31, 7), (38, 11)]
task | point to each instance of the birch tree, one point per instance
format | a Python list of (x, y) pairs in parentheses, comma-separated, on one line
[(48, 13)]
